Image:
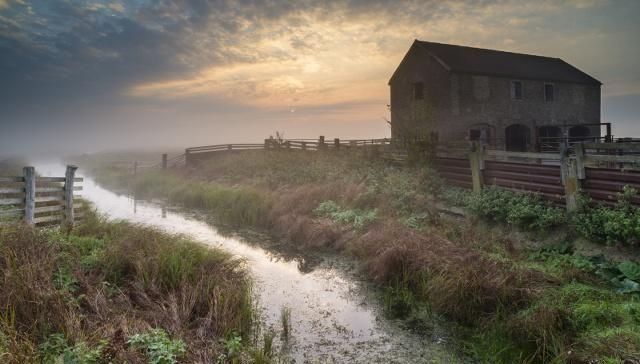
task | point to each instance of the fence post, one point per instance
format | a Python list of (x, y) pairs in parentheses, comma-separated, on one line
[(187, 158), (580, 173), (336, 143), (475, 162), (229, 147), (68, 194), (570, 181), (164, 161), (304, 145), (29, 174), (266, 144), (321, 142), (135, 168)]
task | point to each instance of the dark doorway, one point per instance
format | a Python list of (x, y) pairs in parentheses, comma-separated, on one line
[(578, 133), (517, 138), (549, 138)]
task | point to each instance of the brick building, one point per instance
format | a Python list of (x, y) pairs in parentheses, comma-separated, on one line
[(515, 101)]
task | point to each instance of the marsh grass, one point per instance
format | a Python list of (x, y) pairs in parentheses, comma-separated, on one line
[(81, 295), (508, 305)]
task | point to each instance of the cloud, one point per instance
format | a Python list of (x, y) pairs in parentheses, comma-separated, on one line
[(208, 60)]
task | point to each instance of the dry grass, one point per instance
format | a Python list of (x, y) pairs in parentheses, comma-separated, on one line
[(508, 309), (108, 281)]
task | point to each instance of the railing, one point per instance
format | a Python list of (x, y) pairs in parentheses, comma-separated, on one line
[(194, 154), (40, 200)]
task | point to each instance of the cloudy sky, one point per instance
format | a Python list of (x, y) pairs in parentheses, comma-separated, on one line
[(93, 75)]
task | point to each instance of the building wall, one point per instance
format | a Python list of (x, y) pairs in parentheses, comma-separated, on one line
[(455, 102), (487, 100), (418, 118)]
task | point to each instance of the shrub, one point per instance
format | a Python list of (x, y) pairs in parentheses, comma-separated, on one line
[(523, 210), (610, 225)]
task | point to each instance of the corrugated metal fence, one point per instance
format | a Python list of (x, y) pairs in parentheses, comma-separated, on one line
[(590, 167)]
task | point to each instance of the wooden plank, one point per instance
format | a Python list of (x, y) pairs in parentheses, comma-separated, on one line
[(11, 179), (50, 189), (39, 210), (530, 155), (49, 198), (53, 193), (12, 190), (39, 220), (612, 158), (13, 212), (49, 179), (12, 201)]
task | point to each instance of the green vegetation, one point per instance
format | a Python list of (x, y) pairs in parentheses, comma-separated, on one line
[(116, 292), (525, 211), (158, 346), (354, 217), (611, 225), (598, 223), (510, 300)]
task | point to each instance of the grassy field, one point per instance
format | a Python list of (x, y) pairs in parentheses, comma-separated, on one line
[(513, 276), (112, 292)]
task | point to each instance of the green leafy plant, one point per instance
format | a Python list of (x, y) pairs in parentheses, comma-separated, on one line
[(630, 270), (524, 210), (355, 217), (55, 349), (610, 225), (159, 348)]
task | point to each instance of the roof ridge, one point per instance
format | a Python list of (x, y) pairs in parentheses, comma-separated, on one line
[(488, 49), (460, 58)]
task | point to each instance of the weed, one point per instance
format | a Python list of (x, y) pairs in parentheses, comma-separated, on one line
[(354, 217), (610, 225), (159, 348), (56, 350), (285, 320)]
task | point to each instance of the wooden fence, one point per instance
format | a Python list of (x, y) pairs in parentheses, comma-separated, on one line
[(195, 155), (40, 200), (600, 170)]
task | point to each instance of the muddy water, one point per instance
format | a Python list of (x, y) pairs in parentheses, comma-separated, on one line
[(335, 317)]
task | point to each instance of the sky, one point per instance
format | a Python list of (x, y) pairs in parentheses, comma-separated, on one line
[(97, 75)]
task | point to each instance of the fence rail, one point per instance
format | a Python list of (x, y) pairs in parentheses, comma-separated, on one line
[(557, 177), (194, 155), (40, 200)]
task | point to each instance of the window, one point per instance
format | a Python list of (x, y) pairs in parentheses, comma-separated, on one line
[(548, 92), (418, 91), (516, 90)]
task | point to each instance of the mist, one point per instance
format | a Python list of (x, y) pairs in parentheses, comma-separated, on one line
[(81, 77)]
